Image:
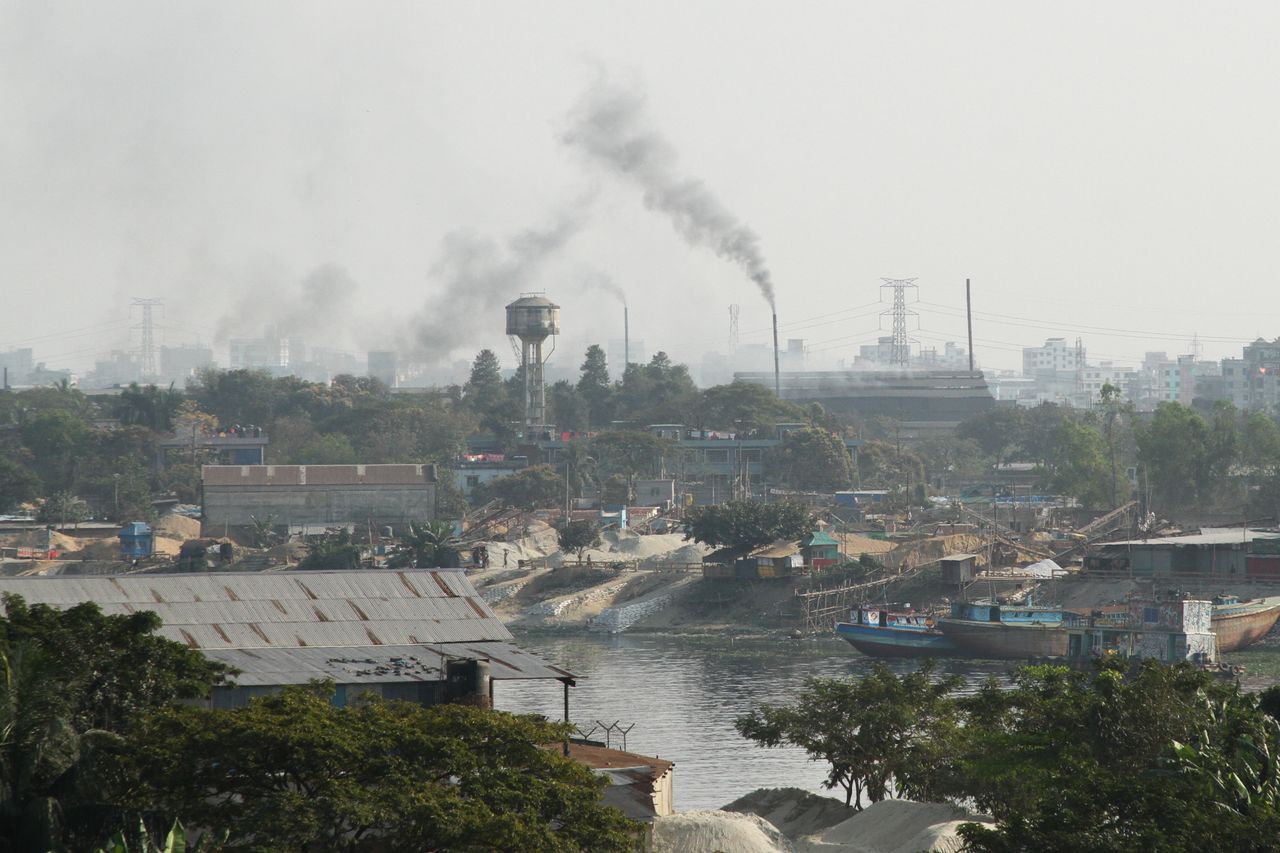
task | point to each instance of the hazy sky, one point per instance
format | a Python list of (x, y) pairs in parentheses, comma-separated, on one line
[(1103, 170)]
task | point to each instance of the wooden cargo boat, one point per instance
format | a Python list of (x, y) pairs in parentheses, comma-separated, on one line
[(885, 633), (1240, 623), (1011, 632)]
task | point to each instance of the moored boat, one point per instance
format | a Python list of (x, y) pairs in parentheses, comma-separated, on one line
[(885, 633), (1014, 632), (1240, 623)]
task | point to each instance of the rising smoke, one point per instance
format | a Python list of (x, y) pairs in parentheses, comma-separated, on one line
[(599, 280), (479, 276), (319, 308), (610, 127)]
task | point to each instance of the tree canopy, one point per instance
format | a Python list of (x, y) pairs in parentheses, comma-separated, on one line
[(743, 525), (293, 771)]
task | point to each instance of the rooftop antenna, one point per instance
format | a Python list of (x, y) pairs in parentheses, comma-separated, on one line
[(900, 353)]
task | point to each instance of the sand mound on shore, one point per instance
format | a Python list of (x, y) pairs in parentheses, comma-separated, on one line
[(717, 832), (893, 826), (793, 811)]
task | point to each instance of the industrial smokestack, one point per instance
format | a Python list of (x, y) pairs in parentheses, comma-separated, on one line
[(777, 375), (968, 313), (626, 338)]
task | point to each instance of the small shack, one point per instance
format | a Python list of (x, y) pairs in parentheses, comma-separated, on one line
[(820, 550), (136, 540), (959, 568)]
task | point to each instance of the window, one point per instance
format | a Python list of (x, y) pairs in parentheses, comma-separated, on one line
[(721, 456), (473, 480)]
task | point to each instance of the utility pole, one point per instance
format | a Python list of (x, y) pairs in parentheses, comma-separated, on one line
[(900, 354)]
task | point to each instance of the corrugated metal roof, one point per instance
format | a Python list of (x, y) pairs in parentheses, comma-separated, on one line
[(378, 665), (238, 610), (1214, 536)]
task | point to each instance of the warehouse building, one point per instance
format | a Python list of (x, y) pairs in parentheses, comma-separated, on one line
[(419, 635), (238, 496)]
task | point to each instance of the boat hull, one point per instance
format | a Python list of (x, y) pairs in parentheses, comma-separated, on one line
[(1236, 631), (1004, 641), (891, 642)]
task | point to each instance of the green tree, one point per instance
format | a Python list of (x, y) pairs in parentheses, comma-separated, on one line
[(332, 551), (811, 459), (878, 735), (57, 441), (745, 407), (1080, 468), (658, 392), (536, 487), (430, 544), (1173, 448), (743, 525), (566, 407), (292, 772), (18, 484), (594, 386), (577, 536), (998, 432), (147, 406), (1088, 761), (63, 508), (484, 389), (629, 453)]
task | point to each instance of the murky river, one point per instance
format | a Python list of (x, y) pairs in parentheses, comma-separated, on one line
[(683, 695)]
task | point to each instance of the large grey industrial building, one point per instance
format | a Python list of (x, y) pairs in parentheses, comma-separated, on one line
[(925, 402), (317, 495), (398, 634)]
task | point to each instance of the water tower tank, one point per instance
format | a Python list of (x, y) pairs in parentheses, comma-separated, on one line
[(534, 317)]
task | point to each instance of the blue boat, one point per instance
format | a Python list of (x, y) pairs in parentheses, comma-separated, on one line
[(885, 633)]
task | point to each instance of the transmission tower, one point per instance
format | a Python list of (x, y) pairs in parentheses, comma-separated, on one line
[(901, 352), (147, 338), (733, 328)]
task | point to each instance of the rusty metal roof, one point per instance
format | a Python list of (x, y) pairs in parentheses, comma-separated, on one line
[(244, 610)]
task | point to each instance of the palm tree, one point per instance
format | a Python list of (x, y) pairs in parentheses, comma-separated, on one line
[(431, 544)]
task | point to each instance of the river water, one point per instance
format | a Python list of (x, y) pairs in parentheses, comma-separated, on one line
[(683, 694)]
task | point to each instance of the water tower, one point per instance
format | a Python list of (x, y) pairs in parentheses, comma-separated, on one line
[(532, 319)]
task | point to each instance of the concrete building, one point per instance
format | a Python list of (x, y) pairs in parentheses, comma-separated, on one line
[(475, 470), (1055, 357), (180, 363), (1212, 554), (15, 366), (1252, 381), (245, 446), (420, 635), (237, 495)]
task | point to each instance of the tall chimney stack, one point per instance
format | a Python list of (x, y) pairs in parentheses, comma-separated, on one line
[(777, 373)]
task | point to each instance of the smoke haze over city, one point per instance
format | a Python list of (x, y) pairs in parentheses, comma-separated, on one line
[(388, 177)]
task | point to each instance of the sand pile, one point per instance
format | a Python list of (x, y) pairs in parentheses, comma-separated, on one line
[(793, 811), (855, 545), (893, 826), (179, 527), (717, 832)]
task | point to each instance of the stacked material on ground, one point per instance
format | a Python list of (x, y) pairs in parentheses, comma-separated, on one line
[(793, 811), (717, 832), (893, 826)]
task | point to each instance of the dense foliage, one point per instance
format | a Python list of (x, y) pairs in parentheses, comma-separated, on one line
[(1155, 758), (743, 525), (293, 771)]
